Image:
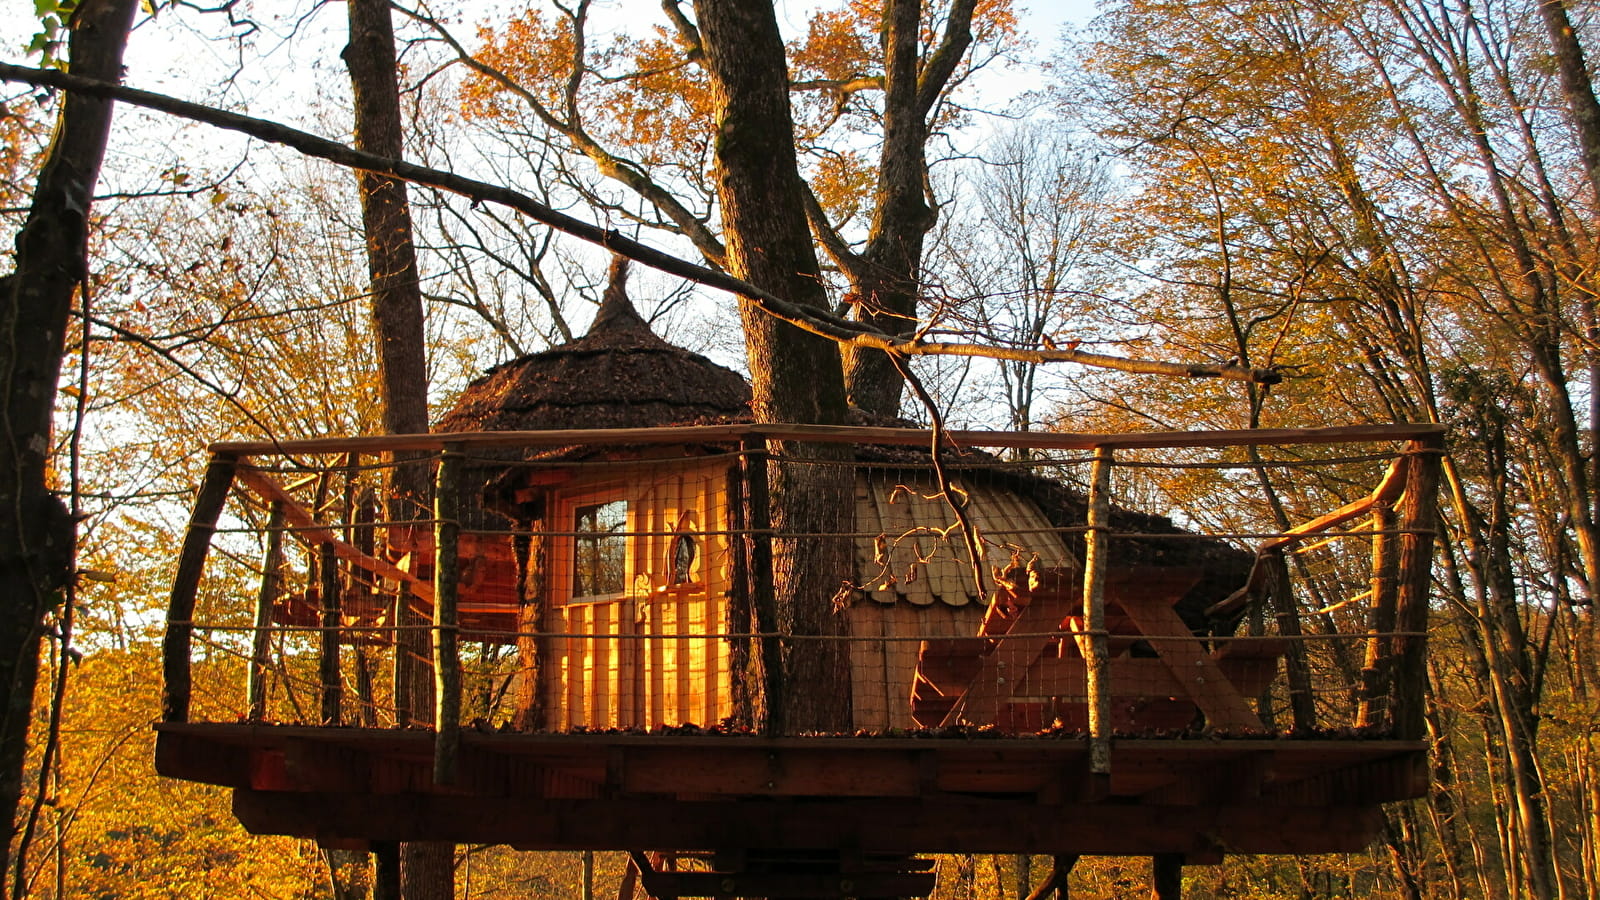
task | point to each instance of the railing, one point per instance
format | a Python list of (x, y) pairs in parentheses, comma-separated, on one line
[(789, 580)]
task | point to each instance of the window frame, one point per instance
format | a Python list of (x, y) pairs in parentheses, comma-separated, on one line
[(565, 556)]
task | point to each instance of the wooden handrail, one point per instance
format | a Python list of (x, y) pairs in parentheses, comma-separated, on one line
[(832, 434)]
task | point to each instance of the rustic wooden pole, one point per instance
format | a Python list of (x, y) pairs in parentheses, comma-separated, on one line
[(764, 599), (1096, 654), (271, 583), (208, 504), (1380, 616), (1166, 876), (446, 630), (1418, 518), (332, 614)]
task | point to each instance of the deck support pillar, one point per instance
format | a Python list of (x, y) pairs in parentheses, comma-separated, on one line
[(446, 629), (385, 870), (1097, 654), (1166, 876)]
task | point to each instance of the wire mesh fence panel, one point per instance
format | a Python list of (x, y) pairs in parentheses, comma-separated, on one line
[(636, 585)]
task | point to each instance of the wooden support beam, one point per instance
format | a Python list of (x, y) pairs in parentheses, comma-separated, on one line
[(446, 630), (266, 596), (902, 826), (208, 502)]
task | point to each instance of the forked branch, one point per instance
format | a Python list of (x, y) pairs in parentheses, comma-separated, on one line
[(816, 321)]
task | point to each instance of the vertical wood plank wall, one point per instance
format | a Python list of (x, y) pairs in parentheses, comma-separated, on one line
[(641, 675)]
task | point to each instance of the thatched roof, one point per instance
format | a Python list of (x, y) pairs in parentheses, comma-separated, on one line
[(619, 375)]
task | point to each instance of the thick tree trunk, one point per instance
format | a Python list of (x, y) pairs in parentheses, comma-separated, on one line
[(36, 534), (1576, 84), (386, 217), (795, 376), (427, 870), (885, 281)]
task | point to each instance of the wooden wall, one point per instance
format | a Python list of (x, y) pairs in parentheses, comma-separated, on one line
[(621, 678)]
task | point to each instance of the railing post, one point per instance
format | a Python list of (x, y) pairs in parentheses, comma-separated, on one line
[(446, 630), (271, 581), (1418, 518), (1381, 613), (763, 599), (1096, 654), (332, 686), (208, 504)]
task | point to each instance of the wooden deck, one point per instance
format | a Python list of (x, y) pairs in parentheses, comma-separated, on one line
[(1200, 798)]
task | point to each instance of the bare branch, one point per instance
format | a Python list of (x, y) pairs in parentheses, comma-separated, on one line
[(816, 321)]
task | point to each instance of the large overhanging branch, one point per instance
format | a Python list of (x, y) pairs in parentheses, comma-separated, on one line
[(817, 321)]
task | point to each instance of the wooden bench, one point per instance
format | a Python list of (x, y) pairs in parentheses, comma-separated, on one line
[(1024, 671)]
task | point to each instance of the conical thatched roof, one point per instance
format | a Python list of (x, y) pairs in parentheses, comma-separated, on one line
[(619, 375)]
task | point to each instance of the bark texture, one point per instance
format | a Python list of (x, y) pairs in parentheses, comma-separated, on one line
[(426, 869), (795, 376), (885, 280), (36, 534)]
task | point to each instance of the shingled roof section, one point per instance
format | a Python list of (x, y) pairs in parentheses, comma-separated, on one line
[(619, 375)]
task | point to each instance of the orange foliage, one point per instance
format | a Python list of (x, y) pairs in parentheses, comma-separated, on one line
[(641, 98)]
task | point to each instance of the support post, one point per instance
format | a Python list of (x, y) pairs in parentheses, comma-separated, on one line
[(208, 504), (1418, 518), (1380, 617), (1096, 654), (763, 598), (385, 870), (1166, 876), (332, 690), (261, 645), (446, 629)]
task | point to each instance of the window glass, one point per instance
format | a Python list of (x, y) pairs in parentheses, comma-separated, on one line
[(600, 549)]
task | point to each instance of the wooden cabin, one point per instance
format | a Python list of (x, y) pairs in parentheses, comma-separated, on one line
[(593, 604)]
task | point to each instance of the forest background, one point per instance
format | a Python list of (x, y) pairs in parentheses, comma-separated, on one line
[(1391, 203)]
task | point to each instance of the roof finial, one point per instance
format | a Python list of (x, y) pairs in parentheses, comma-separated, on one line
[(616, 310)]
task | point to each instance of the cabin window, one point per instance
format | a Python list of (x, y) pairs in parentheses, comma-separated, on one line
[(599, 549)]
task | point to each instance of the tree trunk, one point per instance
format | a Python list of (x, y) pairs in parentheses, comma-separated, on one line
[(1576, 84), (885, 281), (36, 534), (795, 376), (427, 871)]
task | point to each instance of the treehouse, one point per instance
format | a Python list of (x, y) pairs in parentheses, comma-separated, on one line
[(592, 636)]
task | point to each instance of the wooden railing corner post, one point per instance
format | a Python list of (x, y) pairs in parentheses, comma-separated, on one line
[(1418, 527), (175, 646), (1095, 566)]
